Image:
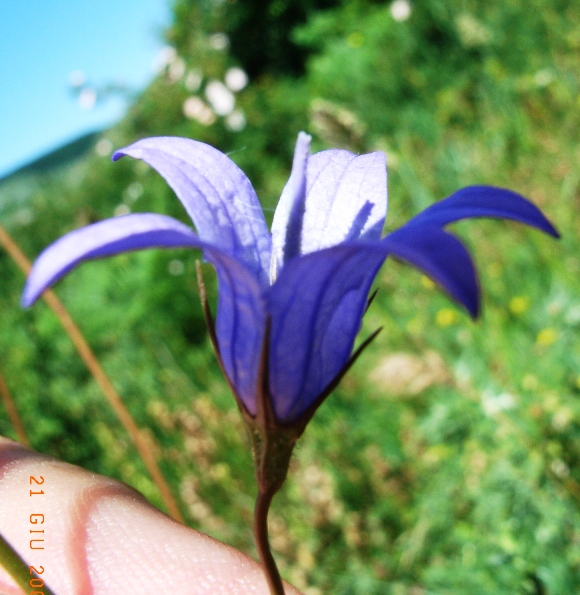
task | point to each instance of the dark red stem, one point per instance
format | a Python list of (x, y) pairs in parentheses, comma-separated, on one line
[(261, 536)]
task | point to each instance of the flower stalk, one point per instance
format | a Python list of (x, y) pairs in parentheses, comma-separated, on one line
[(272, 446), (273, 578)]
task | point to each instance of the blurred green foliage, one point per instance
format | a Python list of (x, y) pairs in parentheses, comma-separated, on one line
[(448, 460)]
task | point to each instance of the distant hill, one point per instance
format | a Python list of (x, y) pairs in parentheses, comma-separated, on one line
[(63, 156), (17, 188)]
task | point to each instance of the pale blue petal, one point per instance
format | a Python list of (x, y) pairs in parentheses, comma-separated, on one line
[(240, 315), (287, 222), (217, 195), (130, 232), (346, 198)]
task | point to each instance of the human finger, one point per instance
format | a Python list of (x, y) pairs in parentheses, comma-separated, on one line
[(92, 535)]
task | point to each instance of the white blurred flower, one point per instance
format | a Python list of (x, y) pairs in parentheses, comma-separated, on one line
[(236, 121), (24, 216), (560, 469), (471, 32), (195, 109), (175, 267), (221, 98), (236, 79), (77, 78), (573, 314), (493, 404), (543, 77), (544, 534), (193, 80), (104, 147), (401, 10), (176, 70), (193, 106), (121, 210), (87, 98), (133, 192), (166, 56), (219, 41)]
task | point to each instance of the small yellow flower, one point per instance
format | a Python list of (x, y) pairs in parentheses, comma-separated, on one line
[(415, 325), (355, 40), (547, 336), (529, 382), (494, 270), (427, 283), (519, 304), (446, 317)]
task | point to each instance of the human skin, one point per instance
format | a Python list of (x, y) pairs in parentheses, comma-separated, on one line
[(101, 537)]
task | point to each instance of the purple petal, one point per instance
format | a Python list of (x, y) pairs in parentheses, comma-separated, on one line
[(240, 315), (287, 222), (215, 192), (316, 307), (346, 198), (130, 232), (442, 257), (331, 197), (484, 201), (317, 303), (240, 324)]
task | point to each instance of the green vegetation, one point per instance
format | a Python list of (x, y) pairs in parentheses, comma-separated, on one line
[(448, 461)]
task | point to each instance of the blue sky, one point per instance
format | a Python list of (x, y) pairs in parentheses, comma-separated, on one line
[(42, 42)]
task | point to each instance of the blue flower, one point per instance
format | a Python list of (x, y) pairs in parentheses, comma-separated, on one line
[(300, 291)]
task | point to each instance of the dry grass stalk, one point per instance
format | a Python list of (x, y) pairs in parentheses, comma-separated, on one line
[(101, 378), (12, 412)]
